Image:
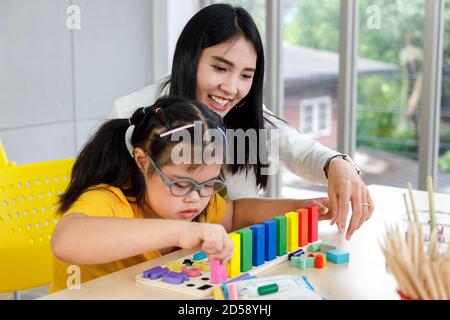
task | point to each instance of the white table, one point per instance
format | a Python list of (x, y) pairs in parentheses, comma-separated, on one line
[(365, 277)]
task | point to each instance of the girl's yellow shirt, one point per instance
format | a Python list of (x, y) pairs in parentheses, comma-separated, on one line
[(108, 201)]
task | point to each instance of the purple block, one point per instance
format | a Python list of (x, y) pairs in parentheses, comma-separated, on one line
[(175, 277), (155, 272), (241, 277), (158, 274)]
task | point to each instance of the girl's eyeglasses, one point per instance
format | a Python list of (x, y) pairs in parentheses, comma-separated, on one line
[(183, 187)]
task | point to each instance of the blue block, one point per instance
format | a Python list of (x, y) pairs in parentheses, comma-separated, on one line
[(297, 253), (271, 239), (338, 256), (199, 255), (258, 231)]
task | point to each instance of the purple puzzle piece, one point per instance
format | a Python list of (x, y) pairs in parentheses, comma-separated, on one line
[(155, 272), (175, 277)]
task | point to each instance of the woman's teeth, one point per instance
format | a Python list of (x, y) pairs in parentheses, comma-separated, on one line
[(221, 102)]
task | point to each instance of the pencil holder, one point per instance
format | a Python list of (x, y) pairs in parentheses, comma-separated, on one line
[(404, 296), (442, 225)]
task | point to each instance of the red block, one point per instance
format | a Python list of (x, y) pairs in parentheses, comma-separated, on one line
[(319, 261), (313, 219), (302, 227)]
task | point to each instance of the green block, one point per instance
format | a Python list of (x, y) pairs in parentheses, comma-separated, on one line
[(311, 262), (303, 259), (246, 249), (296, 262), (281, 235), (327, 246), (314, 247), (303, 264)]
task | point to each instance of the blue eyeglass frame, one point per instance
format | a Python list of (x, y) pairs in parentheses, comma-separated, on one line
[(196, 186)]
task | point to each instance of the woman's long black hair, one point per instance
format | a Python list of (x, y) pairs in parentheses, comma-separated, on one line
[(106, 159), (216, 24)]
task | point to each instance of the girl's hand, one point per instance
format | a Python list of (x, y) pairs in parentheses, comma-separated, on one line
[(344, 186), (209, 237)]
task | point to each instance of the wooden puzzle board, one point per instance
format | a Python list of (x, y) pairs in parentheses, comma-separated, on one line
[(201, 286)]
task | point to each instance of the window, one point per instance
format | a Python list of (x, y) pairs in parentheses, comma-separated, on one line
[(444, 144), (390, 64), (315, 117)]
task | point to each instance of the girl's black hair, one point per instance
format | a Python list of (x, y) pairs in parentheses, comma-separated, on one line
[(106, 159), (216, 24)]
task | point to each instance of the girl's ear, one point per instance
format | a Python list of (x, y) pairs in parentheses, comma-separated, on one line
[(141, 159)]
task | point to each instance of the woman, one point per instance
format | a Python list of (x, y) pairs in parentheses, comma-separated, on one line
[(219, 60)]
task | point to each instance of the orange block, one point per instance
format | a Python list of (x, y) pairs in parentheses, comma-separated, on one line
[(302, 227)]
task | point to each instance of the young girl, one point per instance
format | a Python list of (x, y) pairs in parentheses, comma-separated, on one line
[(125, 205), (219, 60)]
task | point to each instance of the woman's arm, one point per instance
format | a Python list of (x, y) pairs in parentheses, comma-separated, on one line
[(245, 212), (83, 240)]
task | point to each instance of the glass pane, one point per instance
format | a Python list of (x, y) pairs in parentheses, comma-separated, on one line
[(311, 69), (444, 146), (389, 90)]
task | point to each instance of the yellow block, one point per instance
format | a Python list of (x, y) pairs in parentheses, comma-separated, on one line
[(234, 265), (174, 265), (218, 293), (292, 230)]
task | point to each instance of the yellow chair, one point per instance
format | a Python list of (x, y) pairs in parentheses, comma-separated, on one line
[(4, 163), (28, 203)]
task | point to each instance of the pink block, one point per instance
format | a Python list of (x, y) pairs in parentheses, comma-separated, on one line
[(232, 292), (192, 272), (218, 271)]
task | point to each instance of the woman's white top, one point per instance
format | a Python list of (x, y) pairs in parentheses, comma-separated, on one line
[(301, 155)]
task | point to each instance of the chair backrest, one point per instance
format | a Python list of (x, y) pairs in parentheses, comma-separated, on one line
[(4, 163), (28, 203)]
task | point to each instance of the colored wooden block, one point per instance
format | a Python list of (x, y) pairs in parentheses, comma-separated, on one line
[(338, 256), (233, 292), (310, 262), (281, 235), (295, 262), (271, 240), (302, 227), (314, 247), (205, 266), (313, 223), (319, 261), (292, 230), (234, 265), (175, 265), (258, 231), (218, 293), (324, 261), (218, 271), (192, 272), (246, 249), (303, 261), (327, 246), (296, 253), (199, 255)]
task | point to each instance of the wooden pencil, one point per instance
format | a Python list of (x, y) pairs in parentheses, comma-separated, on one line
[(430, 203), (413, 203)]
